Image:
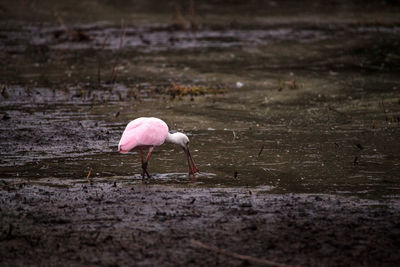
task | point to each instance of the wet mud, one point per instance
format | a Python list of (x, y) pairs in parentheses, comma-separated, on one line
[(129, 224), (294, 123)]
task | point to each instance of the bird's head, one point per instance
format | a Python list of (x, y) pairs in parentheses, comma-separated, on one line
[(181, 140)]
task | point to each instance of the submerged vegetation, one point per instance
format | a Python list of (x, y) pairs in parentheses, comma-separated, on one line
[(179, 90)]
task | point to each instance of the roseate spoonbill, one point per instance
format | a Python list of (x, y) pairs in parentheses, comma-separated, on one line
[(147, 133)]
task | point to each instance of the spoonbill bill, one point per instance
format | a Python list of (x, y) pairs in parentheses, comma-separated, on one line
[(146, 133)]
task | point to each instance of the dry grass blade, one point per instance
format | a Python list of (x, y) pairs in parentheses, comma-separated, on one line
[(384, 110), (88, 176), (99, 59), (121, 42), (261, 150), (194, 25), (225, 252), (178, 20), (234, 136)]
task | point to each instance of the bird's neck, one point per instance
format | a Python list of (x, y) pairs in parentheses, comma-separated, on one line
[(173, 138)]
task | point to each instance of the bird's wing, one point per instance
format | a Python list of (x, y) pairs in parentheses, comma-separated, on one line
[(143, 132)]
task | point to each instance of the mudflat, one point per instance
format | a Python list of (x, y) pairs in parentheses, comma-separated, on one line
[(130, 224)]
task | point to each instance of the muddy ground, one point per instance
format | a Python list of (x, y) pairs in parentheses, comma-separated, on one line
[(292, 109), (129, 224)]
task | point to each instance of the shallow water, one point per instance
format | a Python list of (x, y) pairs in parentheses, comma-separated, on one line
[(309, 108)]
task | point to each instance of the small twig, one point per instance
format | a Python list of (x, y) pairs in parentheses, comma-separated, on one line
[(198, 244), (88, 176), (261, 150)]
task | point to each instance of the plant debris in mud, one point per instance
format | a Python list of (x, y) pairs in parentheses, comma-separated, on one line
[(292, 84), (76, 35), (180, 90)]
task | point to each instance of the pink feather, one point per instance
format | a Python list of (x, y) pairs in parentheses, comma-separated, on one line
[(143, 132)]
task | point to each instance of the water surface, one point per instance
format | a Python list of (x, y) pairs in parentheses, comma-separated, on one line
[(309, 107)]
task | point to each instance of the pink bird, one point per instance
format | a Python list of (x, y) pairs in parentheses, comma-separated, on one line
[(147, 133)]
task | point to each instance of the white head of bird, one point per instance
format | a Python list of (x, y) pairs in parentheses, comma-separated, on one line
[(183, 141), (178, 139)]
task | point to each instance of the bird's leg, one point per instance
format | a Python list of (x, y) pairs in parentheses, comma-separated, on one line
[(141, 159), (144, 167), (144, 163), (149, 153), (192, 166), (189, 164)]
